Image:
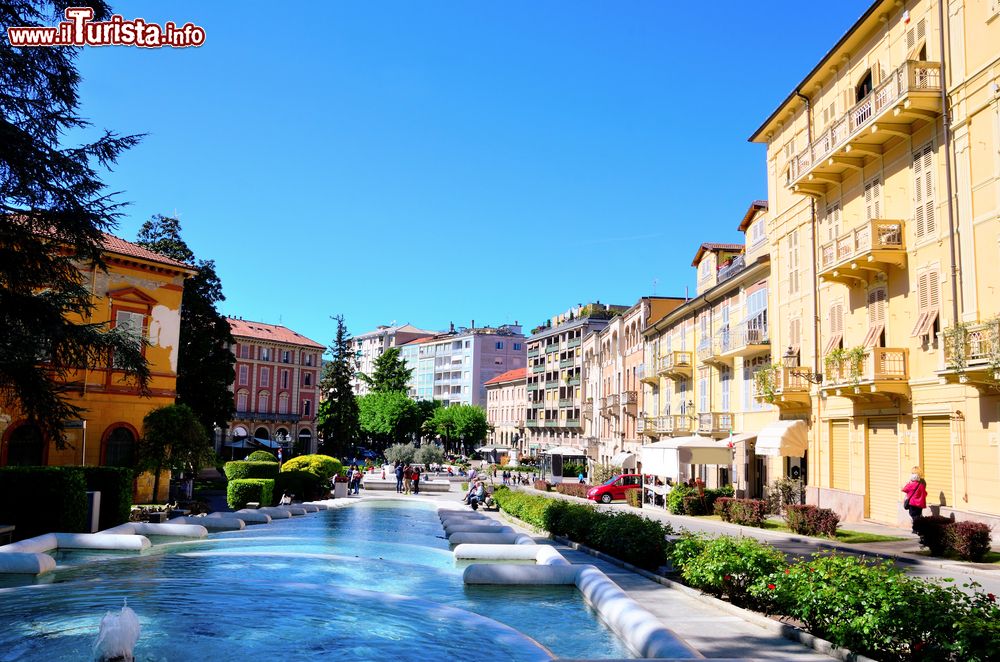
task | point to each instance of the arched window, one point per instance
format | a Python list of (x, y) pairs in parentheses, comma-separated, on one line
[(25, 447), (283, 403), (262, 433), (119, 448), (241, 402), (262, 402)]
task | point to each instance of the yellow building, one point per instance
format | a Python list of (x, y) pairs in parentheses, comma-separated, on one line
[(884, 227), (142, 290), (701, 358)]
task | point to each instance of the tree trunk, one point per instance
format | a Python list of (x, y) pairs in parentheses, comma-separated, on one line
[(156, 482)]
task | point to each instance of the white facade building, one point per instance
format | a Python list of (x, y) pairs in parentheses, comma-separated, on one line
[(367, 347)]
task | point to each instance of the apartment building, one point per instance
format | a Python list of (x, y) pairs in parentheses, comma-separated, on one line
[(701, 357), (615, 370), (555, 378), (883, 171), (139, 290), (276, 389), (453, 367), (367, 347), (506, 403)]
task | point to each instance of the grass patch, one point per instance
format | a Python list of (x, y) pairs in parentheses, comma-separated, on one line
[(843, 535)]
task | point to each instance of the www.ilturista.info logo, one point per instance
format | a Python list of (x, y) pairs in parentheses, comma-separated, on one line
[(80, 30)]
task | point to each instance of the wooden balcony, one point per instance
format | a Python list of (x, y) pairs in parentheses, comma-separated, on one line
[(854, 257), (907, 96), (971, 355), (882, 373), (783, 387), (715, 424), (744, 339), (675, 365), (681, 425)]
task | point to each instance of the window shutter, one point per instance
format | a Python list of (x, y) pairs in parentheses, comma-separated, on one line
[(876, 316), (836, 326), (929, 303), (794, 334), (873, 199)]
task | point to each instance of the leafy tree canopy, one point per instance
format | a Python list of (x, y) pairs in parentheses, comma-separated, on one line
[(337, 416), (390, 374), (386, 416), (403, 453), (54, 209), (173, 438)]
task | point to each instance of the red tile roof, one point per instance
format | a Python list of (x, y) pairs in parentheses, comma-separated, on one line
[(113, 244), (706, 247), (272, 332), (509, 376)]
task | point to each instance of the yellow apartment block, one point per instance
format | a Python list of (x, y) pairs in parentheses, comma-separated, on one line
[(141, 290), (701, 358), (883, 169)]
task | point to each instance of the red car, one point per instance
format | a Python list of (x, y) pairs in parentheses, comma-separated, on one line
[(615, 488)]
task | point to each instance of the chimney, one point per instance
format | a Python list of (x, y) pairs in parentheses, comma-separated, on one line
[(473, 325), (451, 327)]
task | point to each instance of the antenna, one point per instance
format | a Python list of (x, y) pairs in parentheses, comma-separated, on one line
[(655, 282)]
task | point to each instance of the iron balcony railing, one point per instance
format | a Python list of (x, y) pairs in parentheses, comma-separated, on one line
[(737, 265), (876, 365)]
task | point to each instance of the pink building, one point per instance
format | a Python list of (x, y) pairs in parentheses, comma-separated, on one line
[(276, 390)]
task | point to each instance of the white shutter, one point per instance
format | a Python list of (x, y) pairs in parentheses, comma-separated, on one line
[(836, 326), (876, 316), (873, 199), (923, 192)]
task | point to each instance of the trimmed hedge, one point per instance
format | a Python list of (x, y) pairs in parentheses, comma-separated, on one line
[(240, 491), (677, 502), (39, 500), (747, 512), (115, 485), (943, 536), (241, 470), (634, 498), (933, 533), (812, 521), (302, 485), (543, 485), (573, 489), (626, 536), (261, 456), (323, 467)]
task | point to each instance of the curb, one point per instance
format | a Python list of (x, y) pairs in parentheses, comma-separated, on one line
[(789, 632)]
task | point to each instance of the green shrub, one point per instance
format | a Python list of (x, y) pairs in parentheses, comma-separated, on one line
[(748, 512), (300, 484), (573, 489), (241, 470), (572, 469), (115, 485), (323, 467), (465, 486), (261, 456), (731, 566), (572, 520), (241, 491), (812, 521), (634, 498), (970, 540), (675, 500), (694, 505), (39, 500), (686, 548), (933, 533)]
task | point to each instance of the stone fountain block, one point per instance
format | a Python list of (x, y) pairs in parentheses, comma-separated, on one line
[(221, 523)]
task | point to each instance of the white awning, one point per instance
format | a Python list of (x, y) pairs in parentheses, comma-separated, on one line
[(783, 438), (703, 450), (565, 450), (740, 438), (623, 459), (660, 459)]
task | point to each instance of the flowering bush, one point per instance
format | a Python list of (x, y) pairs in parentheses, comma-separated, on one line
[(812, 521), (730, 566), (721, 508), (970, 540)]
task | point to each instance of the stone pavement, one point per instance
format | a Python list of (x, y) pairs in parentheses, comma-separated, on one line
[(903, 552)]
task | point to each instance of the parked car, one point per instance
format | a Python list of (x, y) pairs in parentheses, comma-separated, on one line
[(615, 488)]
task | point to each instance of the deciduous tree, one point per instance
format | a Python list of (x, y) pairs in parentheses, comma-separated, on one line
[(173, 438), (386, 416)]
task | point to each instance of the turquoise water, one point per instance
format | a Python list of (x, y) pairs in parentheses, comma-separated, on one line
[(373, 581)]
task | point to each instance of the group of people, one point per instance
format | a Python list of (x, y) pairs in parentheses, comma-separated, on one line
[(476, 495), (514, 478), (354, 479), (407, 478)]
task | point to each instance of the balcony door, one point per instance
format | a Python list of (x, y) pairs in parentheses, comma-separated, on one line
[(864, 87)]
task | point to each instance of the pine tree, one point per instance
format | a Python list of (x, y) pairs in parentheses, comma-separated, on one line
[(390, 374), (54, 210), (205, 362), (337, 418)]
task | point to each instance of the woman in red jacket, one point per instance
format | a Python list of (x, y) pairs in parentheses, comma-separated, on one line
[(916, 496)]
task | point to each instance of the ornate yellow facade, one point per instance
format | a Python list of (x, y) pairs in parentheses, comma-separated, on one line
[(883, 171), (141, 289)]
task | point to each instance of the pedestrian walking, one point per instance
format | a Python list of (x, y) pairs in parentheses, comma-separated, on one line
[(398, 470), (416, 480), (916, 496), (407, 479)]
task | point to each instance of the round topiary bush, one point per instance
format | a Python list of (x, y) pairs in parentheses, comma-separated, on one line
[(323, 467), (261, 456), (241, 470)]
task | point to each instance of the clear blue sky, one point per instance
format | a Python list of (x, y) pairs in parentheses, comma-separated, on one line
[(429, 162)]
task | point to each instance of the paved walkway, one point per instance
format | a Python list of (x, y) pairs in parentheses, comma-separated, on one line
[(905, 552)]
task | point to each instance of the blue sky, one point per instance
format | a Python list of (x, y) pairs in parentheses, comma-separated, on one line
[(430, 162)]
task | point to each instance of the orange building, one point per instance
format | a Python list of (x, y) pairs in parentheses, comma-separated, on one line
[(141, 290)]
